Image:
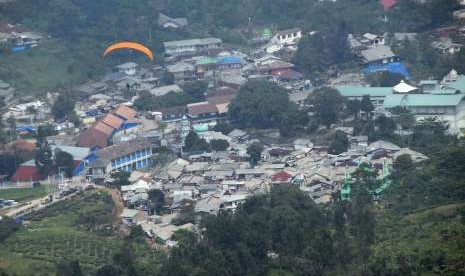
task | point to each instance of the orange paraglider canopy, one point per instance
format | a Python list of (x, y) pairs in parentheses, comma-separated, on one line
[(129, 45)]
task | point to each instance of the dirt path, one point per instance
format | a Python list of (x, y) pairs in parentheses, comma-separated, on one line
[(118, 206)]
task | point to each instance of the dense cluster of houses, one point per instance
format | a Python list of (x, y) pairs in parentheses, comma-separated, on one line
[(211, 182), (115, 137)]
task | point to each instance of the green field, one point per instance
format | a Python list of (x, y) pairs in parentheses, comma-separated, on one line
[(23, 194), (48, 67), (77, 229)]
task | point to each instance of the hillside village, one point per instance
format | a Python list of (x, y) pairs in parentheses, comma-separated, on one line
[(115, 136)]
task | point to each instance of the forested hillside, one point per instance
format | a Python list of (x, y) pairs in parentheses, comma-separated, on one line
[(83, 28)]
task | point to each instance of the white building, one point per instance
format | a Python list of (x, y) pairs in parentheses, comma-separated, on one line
[(129, 68), (449, 108), (191, 46)]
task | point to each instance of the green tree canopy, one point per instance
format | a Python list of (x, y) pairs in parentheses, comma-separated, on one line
[(262, 104), (63, 107), (196, 89), (64, 162), (219, 144), (255, 153), (340, 143), (327, 105), (384, 79), (194, 143)]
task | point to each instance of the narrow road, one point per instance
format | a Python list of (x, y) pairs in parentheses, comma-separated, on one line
[(118, 206)]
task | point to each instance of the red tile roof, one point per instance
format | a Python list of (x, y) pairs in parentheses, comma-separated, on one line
[(26, 173), (221, 99), (94, 137), (125, 112), (281, 177), (201, 108), (112, 121), (24, 145), (100, 126)]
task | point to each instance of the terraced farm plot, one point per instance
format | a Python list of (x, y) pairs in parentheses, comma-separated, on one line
[(77, 229)]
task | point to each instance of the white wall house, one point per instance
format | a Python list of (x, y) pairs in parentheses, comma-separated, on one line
[(449, 108)]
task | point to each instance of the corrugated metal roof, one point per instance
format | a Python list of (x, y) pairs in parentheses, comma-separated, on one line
[(121, 149), (112, 121), (353, 91), (459, 84), (422, 100), (125, 112), (201, 108), (192, 42)]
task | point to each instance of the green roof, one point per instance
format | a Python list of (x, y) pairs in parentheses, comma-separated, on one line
[(267, 33), (200, 128), (459, 84), (359, 91), (422, 100), (206, 60)]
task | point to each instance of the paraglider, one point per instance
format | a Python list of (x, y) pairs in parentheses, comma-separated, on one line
[(129, 45)]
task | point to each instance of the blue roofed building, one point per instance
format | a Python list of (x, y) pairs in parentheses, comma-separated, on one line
[(125, 156), (229, 62), (392, 67)]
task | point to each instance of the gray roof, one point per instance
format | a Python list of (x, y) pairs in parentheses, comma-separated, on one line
[(192, 42), (163, 90), (163, 19), (121, 149), (377, 53), (180, 67)]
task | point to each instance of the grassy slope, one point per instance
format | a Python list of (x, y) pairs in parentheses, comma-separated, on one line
[(41, 69), (53, 236), (23, 194)]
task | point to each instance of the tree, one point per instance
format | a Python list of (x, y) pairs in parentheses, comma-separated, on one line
[(327, 105), (353, 106), (71, 268), (44, 158), (9, 163), (64, 162), (193, 143), (120, 178), (137, 234), (402, 166), (404, 117), (224, 128), (125, 259), (109, 270), (366, 105), (262, 104), (63, 107), (196, 89), (384, 79), (145, 101), (7, 227), (318, 52), (219, 145), (255, 153), (12, 127), (385, 127), (157, 198), (340, 143)]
